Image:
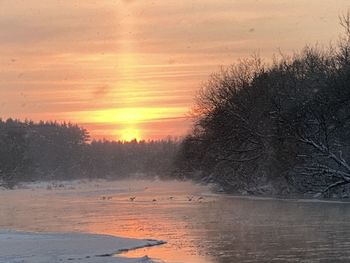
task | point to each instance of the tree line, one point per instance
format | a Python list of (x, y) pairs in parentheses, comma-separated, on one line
[(277, 128), (63, 151)]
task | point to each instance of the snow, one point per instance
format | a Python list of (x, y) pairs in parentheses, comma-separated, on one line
[(24, 247)]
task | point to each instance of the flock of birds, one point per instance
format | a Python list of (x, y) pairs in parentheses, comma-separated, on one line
[(132, 198), (189, 198)]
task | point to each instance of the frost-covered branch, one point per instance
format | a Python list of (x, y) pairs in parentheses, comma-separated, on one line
[(325, 150), (344, 177)]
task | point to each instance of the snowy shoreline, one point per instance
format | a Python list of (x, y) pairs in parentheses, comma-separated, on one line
[(137, 185), (29, 247)]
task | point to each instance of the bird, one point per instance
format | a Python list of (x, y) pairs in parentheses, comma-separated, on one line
[(154, 200), (190, 198), (132, 198)]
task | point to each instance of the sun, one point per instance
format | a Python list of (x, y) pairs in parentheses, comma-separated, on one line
[(129, 134)]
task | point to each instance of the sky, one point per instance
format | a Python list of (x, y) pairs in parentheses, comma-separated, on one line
[(131, 68)]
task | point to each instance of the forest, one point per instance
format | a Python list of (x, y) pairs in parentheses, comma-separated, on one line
[(62, 151), (281, 128)]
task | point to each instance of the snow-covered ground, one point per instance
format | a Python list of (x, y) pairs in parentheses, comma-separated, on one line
[(20, 247)]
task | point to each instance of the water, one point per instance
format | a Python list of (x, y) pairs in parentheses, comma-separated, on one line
[(199, 227)]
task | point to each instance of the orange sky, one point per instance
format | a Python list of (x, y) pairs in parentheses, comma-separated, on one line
[(130, 68)]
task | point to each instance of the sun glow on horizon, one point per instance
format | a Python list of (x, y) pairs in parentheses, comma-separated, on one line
[(127, 116), (129, 134)]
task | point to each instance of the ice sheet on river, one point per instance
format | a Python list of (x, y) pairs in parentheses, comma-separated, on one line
[(22, 247)]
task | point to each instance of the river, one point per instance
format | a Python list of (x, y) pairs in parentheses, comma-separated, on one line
[(198, 226)]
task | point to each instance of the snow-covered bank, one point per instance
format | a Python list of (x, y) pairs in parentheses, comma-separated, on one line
[(16, 247)]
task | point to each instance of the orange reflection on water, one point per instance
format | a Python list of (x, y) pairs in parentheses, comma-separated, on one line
[(177, 248), (156, 215), (159, 211)]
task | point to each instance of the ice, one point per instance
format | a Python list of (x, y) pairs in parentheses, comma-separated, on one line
[(23, 247)]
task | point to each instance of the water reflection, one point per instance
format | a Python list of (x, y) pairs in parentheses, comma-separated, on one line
[(282, 231), (207, 229)]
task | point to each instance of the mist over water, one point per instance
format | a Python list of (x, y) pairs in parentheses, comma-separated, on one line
[(198, 226)]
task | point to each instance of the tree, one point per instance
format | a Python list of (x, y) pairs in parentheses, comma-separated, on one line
[(285, 125), (14, 160)]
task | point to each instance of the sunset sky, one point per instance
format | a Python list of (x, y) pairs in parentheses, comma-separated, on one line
[(126, 69)]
